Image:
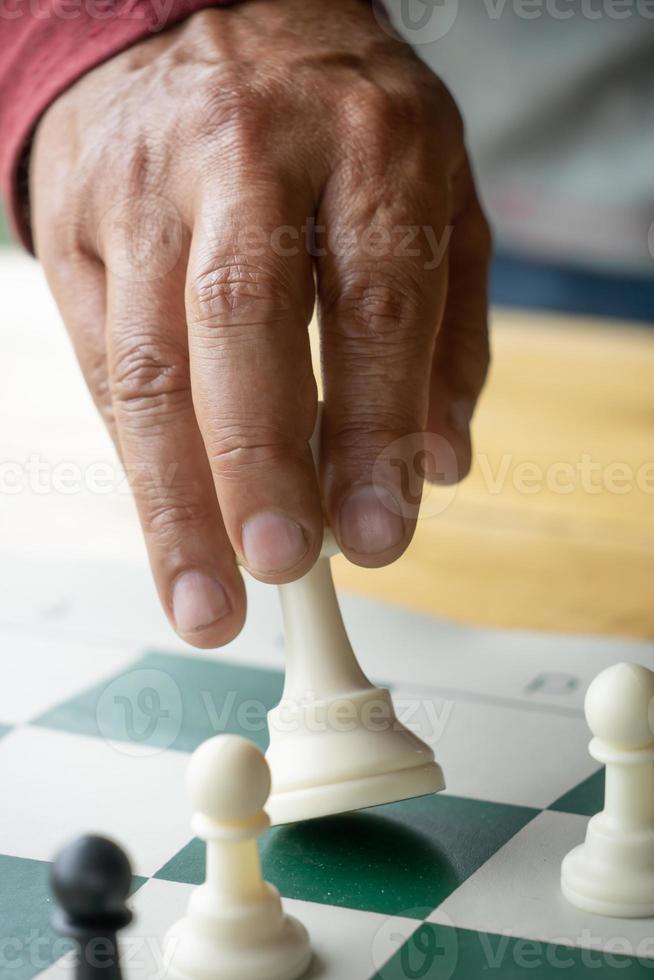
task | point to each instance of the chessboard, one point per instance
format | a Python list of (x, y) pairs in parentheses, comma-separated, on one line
[(101, 705)]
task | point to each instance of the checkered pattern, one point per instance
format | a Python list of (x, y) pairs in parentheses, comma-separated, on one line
[(95, 737)]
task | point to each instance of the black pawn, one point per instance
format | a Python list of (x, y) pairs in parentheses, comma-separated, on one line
[(91, 879)]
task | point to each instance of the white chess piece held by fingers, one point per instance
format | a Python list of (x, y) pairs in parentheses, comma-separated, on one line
[(335, 741), (612, 872), (235, 927)]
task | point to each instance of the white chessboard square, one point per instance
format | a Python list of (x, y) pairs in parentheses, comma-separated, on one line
[(347, 944), (532, 668), (115, 605), (112, 599), (45, 671), (60, 785), (504, 753), (518, 893)]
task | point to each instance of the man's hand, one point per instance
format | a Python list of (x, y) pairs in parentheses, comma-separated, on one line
[(190, 199)]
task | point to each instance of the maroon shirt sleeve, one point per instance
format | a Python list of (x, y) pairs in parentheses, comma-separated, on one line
[(45, 45)]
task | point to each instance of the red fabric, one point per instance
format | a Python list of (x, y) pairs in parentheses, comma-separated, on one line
[(45, 45)]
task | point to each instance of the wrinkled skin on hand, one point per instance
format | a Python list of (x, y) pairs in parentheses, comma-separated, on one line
[(192, 199)]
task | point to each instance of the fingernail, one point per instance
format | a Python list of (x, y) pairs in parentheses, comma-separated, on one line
[(273, 542), (459, 416), (198, 601), (370, 521)]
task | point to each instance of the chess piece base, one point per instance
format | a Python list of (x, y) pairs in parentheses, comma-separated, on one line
[(197, 956), (355, 794), (345, 753), (607, 889)]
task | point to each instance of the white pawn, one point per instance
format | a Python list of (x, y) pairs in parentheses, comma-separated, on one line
[(336, 743), (235, 927), (612, 872)]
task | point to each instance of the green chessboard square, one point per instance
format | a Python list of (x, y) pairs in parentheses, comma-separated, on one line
[(390, 859), (586, 799), (400, 859), (27, 942), (187, 866), (436, 952), (173, 702)]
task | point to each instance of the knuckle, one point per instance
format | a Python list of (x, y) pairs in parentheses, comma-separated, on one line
[(382, 114), (149, 376), (94, 367), (231, 109), (163, 517), (236, 290), (238, 448), (100, 388), (62, 233), (363, 436), (369, 306), (93, 361), (370, 104), (406, 106)]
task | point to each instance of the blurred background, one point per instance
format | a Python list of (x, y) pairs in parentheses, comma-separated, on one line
[(4, 230), (558, 101), (554, 529)]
